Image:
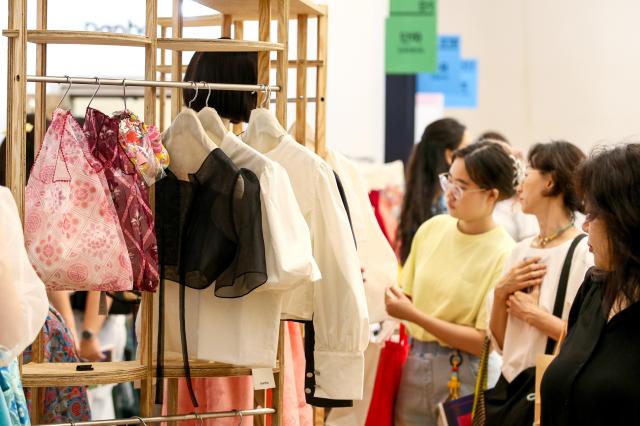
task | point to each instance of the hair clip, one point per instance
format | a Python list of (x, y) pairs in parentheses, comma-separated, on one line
[(519, 171)]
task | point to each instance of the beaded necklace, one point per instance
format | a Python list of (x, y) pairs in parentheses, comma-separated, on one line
[(543, 241)]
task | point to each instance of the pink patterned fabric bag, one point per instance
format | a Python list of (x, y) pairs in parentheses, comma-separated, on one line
[(72, 232)]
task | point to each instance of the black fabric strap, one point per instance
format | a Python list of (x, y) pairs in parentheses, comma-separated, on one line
[(562, 288)]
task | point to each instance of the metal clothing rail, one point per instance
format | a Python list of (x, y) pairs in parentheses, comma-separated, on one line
[(96, 81), (178, 418)]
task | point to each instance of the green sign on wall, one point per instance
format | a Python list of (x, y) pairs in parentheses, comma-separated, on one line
[(412, 8), (411, 44)]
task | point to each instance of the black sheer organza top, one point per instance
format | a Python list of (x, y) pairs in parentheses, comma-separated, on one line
[(211, 228)]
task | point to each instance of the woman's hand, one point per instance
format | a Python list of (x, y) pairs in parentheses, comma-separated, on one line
[(90, 350), (524, 305), (398, 304), (527, 274)]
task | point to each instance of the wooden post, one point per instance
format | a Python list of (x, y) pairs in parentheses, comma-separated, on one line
[(16, 100), (176, 58), (264, 30), (41, 88), (301, 81), (282, 74), (150, 99), (162, 92), (172, 392), (227, 20), (238, 34), (321, 84), (278, 394)]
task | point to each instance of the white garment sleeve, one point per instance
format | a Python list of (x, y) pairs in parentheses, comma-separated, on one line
[(340, 316), (376, 255), (289, 258), (24, 304)]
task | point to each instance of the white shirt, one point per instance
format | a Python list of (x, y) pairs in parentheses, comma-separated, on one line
[(375, 252), (519, 225), (244, 331), (522, 342), (24, 304), (337, 303)]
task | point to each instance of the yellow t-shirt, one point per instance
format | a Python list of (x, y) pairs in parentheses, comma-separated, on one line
[(449, 274)]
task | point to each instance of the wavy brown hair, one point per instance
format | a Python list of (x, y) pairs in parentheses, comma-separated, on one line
[(609, 184)]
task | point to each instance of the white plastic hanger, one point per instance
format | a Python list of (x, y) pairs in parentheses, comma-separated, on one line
[(264, 132), (211, 121), (187, 143)]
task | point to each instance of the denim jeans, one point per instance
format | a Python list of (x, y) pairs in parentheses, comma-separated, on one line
[(424, 382)]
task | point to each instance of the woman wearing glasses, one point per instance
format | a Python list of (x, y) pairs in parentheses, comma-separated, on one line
[(454, 262), (531, 302)]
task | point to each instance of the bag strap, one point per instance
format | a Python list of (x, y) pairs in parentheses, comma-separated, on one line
[(562, 288), (478, 410)]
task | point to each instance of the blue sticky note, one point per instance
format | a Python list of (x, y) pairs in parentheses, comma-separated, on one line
[(466, 93), (444, 80)]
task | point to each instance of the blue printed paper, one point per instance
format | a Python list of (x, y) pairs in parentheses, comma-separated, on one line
[(466, 93), (444, 80)]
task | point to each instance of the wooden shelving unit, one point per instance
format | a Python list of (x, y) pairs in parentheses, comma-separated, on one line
[(39, 373)]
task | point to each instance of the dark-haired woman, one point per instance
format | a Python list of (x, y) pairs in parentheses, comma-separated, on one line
[(455, 261), (522, 319), (423, 196), (595, 380)]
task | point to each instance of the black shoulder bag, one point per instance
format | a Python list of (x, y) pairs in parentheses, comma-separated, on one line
[(513, 403)]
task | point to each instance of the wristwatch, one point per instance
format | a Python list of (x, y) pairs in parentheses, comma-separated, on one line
[(87, 334)]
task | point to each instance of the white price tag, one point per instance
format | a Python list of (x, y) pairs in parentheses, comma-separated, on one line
[(263, 378)]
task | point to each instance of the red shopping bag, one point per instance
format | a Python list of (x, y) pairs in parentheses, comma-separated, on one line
[(385, 389)]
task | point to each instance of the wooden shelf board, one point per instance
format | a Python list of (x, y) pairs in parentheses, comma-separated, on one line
[(65, 374), (86, 37), (292, 64), (249, 8), (217, 45), (175, 368), (193, 21)]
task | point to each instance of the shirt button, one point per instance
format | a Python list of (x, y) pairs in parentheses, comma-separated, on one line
[(309, 375), (307, 391)]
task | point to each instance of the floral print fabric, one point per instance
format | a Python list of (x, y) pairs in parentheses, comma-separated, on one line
[(143, 146), (130, 198), (61, 405), (13, 405), (72, 232)]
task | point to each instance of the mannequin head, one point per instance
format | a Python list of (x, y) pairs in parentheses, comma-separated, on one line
[(223, 67)]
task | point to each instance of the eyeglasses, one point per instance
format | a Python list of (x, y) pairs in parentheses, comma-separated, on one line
[(456, 190)]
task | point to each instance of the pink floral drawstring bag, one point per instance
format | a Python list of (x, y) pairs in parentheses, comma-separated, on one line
[(72, 233)]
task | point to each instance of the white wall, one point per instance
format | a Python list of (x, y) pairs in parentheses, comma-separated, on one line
[(551, 69)]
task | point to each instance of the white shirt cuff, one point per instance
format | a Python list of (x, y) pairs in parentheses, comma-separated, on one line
[(339, 375)]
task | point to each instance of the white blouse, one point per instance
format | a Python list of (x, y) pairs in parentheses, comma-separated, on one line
[(24, 304), (337, 303), (244, 331), (376, 255), (522, 342)]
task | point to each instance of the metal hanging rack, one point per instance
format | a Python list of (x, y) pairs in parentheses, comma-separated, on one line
[(94, 81), (178, 418)]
